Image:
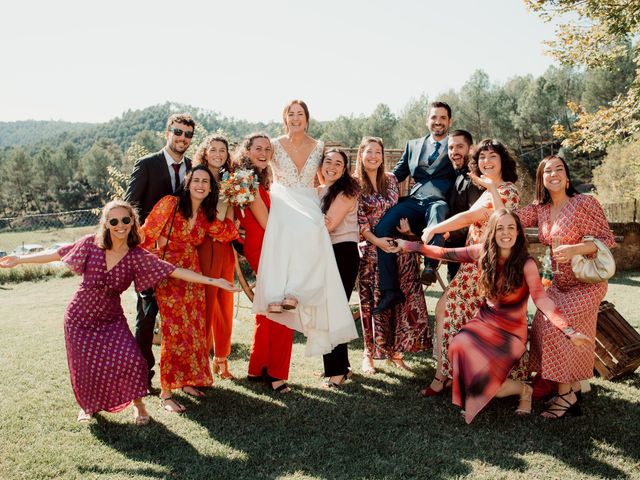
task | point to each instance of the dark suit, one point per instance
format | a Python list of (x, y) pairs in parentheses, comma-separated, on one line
[(463, 194), (149, 182), (433, 183)]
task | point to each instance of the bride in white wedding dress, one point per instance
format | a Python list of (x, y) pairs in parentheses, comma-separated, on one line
[(299, 284)]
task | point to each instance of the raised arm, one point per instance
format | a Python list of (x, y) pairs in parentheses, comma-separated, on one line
[(548, 307), (458, 221), (191, 276), (13, 260), (462, 255)]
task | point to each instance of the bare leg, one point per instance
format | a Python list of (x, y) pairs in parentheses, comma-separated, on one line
[(563, 403), (439, 381), (140, 414), (168, 403), (512, 387)]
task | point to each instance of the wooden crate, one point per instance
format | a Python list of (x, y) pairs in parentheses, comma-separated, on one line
[(617, 344)]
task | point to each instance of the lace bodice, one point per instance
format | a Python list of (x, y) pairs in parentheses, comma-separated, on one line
[(285, 171)]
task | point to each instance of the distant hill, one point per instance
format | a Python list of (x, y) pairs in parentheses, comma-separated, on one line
[(30, 132), (33, 134)]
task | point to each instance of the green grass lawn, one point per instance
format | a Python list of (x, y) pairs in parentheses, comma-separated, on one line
[(375, 427)]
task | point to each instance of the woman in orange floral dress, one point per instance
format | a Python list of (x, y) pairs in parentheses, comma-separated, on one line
[(184, 220), (460, 302)]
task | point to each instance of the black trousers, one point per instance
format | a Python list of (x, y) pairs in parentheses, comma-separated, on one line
[(420, 213), (144, 330), (348, 260)]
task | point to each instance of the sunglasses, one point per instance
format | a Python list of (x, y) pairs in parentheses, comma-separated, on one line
[(115, 221), (178, 132)]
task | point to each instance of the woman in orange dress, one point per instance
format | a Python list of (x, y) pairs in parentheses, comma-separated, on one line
[(217, 260), (181, 224)]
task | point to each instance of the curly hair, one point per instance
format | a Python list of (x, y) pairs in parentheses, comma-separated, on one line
[(103, 235), (241, 159), (493, 282), (200, 158), (209, 203), (382, 182), (183, 118), (508, 163), (346, 184)]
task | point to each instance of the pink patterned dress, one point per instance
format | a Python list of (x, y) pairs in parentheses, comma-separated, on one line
[(404, 328), (463, 298), (106, 366), (552, 355)]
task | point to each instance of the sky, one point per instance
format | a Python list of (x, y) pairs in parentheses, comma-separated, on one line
[(80, 60)]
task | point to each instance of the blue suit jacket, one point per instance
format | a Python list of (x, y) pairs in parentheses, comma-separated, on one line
[(439, 176)]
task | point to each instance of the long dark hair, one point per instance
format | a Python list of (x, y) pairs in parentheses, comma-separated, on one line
[(346, 184), (507, 162), (382, 182), (542, 194), (200, 158), (242, 160), (103, 235), (209, 203), (491, 283)]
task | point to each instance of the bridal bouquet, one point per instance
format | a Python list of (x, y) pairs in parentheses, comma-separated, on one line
[(239, 188)]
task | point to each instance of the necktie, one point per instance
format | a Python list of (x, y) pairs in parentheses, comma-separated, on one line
[(176, 169), (434, 156)]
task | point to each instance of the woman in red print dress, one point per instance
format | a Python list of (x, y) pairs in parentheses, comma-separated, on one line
[(106, 366), (462, 299), (487, 347), (217, 260), (185, 221), (272, 342), (560, 211)]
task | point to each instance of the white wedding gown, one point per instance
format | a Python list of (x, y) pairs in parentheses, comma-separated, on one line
[(297, 259)]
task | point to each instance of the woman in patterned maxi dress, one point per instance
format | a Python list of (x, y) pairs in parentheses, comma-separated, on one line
[(405, 327), (560, 211), (106, 366), (487, 347), (185, 221), (462, 298)]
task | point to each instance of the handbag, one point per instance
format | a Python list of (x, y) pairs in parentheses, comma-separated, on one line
[(149, 303), (597, 269)]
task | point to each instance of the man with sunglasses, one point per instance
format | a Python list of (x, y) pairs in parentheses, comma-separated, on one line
[(154, 177)]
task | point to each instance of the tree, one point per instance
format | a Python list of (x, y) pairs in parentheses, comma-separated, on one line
[(597, 36), (382, 123), (104, 153), (618, 177)]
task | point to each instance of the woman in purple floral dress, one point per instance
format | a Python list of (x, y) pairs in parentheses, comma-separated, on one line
[(106, 366), (404, 328)]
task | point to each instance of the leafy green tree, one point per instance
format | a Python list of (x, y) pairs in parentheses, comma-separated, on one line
[(618, 177)]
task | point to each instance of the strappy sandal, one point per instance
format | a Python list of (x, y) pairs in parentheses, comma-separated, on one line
[(168, 407), (140, 419), (398, 361), (524, 407), (221, 367), (269, 380), (431, 392), (193, 392), (561, 410), (84, 417), (367, 366)]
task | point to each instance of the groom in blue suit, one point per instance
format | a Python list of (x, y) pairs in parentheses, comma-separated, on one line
[(425, 159)]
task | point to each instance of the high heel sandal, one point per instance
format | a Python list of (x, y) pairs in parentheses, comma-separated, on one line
[(431, 392), (557, 410), (526, 396), (329, 384), (274, 308), (269, 380), (289, 303), (221, 367)]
